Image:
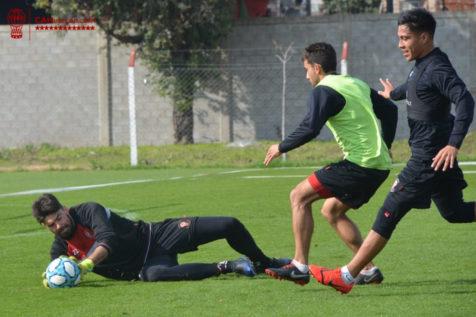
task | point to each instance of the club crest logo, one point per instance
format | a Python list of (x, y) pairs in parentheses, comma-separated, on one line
[(16, 18)]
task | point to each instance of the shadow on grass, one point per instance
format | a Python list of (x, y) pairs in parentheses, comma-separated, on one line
[(102, 283), (36, 230), (19, 217)]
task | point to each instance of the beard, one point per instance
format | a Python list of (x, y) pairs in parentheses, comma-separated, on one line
[(68, 231)]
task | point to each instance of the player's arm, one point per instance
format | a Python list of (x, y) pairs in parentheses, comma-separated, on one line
[(387, 112), (58, 248), (448, 83), (97, 218), (324, 102)]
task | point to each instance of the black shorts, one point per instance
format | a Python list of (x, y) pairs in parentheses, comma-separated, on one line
[(350, 183), (173, 236), (418, 182), (416, 186)]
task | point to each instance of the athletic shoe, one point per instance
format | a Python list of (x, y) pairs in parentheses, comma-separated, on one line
[(372, 276), (274, 263), (242, 266), (289, 272), (330, 278)]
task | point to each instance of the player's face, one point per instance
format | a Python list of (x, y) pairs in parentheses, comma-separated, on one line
[(311, 73), (411, 43), (60, 223)]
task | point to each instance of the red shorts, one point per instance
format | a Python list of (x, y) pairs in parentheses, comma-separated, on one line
[(323, 192)]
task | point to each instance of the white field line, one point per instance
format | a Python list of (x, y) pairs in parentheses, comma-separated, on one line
[(73, 188), (66, 189), (134, 215)]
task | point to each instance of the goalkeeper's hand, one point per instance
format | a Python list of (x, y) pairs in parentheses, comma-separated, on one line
[(45, 281), (86, 266)]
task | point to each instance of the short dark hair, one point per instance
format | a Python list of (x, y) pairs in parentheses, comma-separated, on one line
[(418, 20), (45, 205), (323, 54)]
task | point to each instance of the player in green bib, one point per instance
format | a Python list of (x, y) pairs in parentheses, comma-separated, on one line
[(351, 110)]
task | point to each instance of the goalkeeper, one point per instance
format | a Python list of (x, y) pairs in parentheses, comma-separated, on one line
[(118, 248)]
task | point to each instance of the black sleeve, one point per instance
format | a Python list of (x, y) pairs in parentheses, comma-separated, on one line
[(387, 112), (58, 248), (399, 93), (324, 102), (97, 217), (445, 79)]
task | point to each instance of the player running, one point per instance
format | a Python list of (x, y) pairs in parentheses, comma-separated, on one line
[(118, 248), (350, 109), (432, 173)]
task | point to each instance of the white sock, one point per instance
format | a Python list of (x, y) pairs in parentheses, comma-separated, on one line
[(346, 276), (301, 267)]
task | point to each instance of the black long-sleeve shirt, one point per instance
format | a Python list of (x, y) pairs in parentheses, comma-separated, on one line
[(437, 86), (325, 102), (125, 240)]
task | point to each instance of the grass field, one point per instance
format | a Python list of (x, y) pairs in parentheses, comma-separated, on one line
[(429, 265)]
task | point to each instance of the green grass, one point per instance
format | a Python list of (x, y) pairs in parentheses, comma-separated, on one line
[(49, 157), (429, 265)]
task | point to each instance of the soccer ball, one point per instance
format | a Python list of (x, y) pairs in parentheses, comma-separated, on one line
[(63, 272)]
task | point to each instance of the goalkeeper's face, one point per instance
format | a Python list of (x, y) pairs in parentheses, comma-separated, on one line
[(60, 223)]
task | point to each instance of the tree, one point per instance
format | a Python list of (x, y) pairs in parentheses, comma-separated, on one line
[(351, 6), (172, 35)]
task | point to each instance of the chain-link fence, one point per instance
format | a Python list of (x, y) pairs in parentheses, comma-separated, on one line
[(257, 94), (300, 8), (71, 91)]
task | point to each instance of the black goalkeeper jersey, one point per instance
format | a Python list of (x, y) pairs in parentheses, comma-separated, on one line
[(126, 240), (432, 86)]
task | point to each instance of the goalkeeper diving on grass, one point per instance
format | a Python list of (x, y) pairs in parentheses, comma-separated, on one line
[(118, 248)]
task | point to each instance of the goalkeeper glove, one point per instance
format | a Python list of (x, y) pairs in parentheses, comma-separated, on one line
[(86, 266), (45, 281)]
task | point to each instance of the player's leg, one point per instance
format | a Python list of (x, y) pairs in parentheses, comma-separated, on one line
[(395, 207), (301, 197), (335, 213), (448, 198), (208, 229), (164, 267)]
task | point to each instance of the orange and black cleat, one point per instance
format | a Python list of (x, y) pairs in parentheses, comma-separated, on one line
[(330, 278), (290, 273)]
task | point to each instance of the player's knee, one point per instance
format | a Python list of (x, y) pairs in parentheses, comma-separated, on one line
[(461, 213), (329, 215), (296, 198), (232, 224), (386, 222)]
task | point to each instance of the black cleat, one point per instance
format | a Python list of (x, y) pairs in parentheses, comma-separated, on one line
[(274, 263), (241, 266), (290, 273), (374, 276)]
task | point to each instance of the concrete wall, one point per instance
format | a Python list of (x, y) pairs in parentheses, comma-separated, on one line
[(57, 89)]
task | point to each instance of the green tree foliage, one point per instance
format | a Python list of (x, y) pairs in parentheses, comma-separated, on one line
[(351, 6), (172, 35)]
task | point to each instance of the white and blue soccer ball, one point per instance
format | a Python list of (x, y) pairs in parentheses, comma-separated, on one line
[(63, 272)]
